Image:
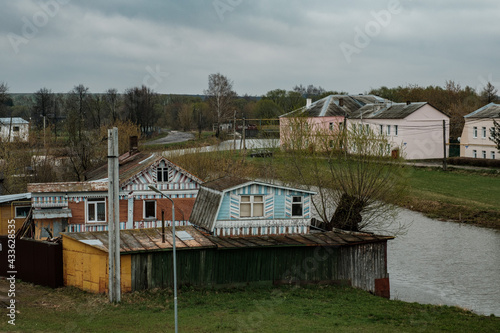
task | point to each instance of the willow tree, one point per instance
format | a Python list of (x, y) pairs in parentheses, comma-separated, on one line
[(359, 184)]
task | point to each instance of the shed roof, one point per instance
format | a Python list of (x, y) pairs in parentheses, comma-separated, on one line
[(491, 110), (15, 197), (147, 240), (15, 120)]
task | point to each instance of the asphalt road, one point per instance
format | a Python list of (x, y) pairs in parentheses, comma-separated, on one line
[(174, 136)]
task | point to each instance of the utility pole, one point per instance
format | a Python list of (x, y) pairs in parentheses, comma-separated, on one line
[(114, 288), (444, 145)]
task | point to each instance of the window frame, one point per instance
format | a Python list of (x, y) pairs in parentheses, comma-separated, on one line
[(95, 202), (474, 153), (474, 132), (388, 129), (492, 155), (144, 210), (18, 216), (396, 130), (253, 204), (381, 129), (484, 153), (161, 172), (298, 203), (483, 132)]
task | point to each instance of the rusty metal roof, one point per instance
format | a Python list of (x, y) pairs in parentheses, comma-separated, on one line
[(143, 240), (491, 110), (68, 187)]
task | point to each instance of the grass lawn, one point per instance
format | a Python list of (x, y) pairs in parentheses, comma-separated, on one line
[(255, 309)]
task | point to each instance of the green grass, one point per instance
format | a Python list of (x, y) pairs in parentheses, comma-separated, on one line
[(254, 309)]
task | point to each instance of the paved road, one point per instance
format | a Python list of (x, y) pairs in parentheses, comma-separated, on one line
[(173, 136)]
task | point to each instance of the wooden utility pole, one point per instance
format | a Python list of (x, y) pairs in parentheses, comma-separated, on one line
[(114, 288), (444, 145)]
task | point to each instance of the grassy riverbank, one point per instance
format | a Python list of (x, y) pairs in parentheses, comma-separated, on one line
[(258, 309)]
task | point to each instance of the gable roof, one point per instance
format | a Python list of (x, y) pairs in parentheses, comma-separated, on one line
[(330, 106), (388, 110), (491, 110), (132, 165)]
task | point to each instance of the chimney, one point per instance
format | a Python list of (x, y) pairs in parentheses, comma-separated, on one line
[(308, 102), (408, 102), (133, 144), (341, 102)]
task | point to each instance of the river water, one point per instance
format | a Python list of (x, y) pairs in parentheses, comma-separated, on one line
[(447, 263)]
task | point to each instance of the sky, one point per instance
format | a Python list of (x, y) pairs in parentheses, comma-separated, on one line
[(173, 46)]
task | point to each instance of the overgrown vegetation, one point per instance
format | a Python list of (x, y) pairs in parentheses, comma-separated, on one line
[(253, 309)]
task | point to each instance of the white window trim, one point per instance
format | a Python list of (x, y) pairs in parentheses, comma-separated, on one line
[(492, 154), (252, 202), (297, 203), (144, 210), (396, 130), (474, 153), (474, 132), (17, 216), (388, 129), (95, 202), (484, 153), (483, 132)]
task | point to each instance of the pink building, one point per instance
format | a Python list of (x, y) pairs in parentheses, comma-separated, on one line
[(475, 140)]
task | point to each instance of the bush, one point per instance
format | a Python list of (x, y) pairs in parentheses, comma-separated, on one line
[(478, 162)]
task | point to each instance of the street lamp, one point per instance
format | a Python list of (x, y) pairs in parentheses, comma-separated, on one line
[(174, 252)]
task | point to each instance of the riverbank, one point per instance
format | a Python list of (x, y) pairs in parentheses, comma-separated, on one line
[(254, 309)]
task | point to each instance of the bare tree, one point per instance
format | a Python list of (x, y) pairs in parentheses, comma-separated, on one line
[(112, 104), (220, 98), (358, 184), (495, 133), (489, 94), (4, 96), (43, 109), (140, 106)]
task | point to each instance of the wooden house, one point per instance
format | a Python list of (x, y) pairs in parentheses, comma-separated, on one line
[(82, 206), (233, 206), (359, 260), (14, 207)]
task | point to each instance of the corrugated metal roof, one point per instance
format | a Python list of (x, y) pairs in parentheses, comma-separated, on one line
[(491, 110), (142, 240), (206, 206), (387, 110), (229, 183), (15, 120), (330, 106), (15, 197)]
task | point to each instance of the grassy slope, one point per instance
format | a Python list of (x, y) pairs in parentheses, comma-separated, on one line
[(460, 195), (288, 309)]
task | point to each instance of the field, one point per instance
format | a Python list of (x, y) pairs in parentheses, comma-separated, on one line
[(256, 309)]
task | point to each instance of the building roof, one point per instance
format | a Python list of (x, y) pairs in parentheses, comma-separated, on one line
[(15, 120), (61, 187), (491, 110), (15, 197), (387, 110), (147, 240), (335, 106)]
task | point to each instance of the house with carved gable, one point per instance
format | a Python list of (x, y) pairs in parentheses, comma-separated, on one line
[(232, 206), (83, 206)]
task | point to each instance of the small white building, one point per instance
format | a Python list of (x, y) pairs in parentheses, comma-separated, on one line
[(14, 129), (475, 140), (415, 127)]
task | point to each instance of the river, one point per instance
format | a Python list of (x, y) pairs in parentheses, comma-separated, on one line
[(448, 263)]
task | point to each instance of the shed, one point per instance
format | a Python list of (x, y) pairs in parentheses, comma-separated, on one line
[(358, 259)]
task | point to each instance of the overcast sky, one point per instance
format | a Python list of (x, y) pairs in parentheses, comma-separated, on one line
[(172, 46)]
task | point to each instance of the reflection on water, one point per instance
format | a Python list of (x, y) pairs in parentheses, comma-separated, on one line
[(446, 263)]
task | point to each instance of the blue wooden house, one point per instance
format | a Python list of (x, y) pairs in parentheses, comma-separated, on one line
[(232, 206)]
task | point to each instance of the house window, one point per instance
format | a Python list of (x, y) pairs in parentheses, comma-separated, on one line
[(381, 129), (367, 128), (251, 206), (96, 210), (388, 129), (22, 211), (474, 153), (341, 126), (492, 155), (15, 128), (484, 153), (484, 132), (162, 173), (297, 206), (331, 126), (396, 130), (149, 209), (474, 132)]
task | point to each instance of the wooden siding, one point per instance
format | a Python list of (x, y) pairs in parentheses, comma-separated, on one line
[(205, 208), (358, 265), (7, 213), (86, 267)]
